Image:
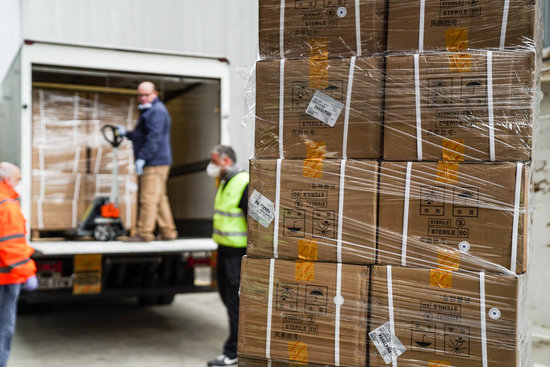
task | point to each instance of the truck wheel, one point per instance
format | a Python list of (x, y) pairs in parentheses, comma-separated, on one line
[(104, 232), (166, 299), (147, 300)]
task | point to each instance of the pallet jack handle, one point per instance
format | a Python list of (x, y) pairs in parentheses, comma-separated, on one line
[(110, 133)]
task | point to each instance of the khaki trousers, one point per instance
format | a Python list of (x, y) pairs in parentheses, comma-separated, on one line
[(154, 207)]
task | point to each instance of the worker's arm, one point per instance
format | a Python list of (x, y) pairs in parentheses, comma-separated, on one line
[(244, 201), (155, 127)]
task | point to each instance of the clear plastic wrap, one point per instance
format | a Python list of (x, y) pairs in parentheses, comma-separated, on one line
[(317, 28), (412, 162), (71, 161)]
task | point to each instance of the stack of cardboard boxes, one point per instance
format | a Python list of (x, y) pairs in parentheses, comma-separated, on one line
[(388, 195), (71, 161)]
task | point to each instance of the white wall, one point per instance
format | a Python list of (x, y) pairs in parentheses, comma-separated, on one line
[(10, 29), (225, 28), (539, 259)]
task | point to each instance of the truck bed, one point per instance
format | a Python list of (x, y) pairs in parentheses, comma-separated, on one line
[(63, 247)]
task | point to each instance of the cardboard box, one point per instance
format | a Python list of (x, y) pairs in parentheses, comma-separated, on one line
[(457, 25), (247, 361), (454, 107), (60, 200), (309, 205), (309, 320), (53, 215), (328, 27), (460, 216), (444, 318), (314, 108)]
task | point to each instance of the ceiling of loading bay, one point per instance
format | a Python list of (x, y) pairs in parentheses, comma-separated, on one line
[(169, 87)]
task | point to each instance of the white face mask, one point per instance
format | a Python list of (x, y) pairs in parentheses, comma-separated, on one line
[(145, 106), (213, 170)]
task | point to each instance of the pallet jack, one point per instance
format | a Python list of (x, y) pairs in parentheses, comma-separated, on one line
[(102, 218)]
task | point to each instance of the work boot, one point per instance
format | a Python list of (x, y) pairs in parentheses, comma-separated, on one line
[(163, 237), (136, 238), (222, 360)]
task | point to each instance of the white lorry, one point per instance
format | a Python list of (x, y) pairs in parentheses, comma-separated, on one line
[(196, 91)]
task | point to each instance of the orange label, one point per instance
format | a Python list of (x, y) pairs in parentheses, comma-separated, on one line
[(297, 352), (313, 168), (447, 172), (453, 150), (461, 63), (318, 63), (87, 274), (315, 153), (441, 278), (456, 39), (439, 364), (307, 250), (448, 260), (305, 271)]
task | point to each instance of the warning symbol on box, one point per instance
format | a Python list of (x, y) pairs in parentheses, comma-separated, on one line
[(294, 222), (287, 296), (316, 299), (432, 200), (440, 92), (323, 224), (457, 340), (465, 201), (423, 337), (473, 91)]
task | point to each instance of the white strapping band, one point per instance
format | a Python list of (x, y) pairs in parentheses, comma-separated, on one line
[(281, 106), (515, 225), (348, 108), (282, 30), (418, 108), (340, 211), (505, 12), (482, 319), (277, 207), (406, 215), (421, 26), (390, 312), (269, 309), (358, 27), (127, 200), (338, 304), (75, 199), (98, 159), (490, 106)]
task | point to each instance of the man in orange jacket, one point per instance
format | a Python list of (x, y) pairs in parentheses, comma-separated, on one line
[(17, 269)]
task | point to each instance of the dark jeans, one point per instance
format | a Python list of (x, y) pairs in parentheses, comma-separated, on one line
[(229, 278), (9, 293)]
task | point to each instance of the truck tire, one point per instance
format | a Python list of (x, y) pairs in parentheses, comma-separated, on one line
[(166, 299)]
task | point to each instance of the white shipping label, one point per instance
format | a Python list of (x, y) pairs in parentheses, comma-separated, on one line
[(324, 108), (261, 209), (387, 343)]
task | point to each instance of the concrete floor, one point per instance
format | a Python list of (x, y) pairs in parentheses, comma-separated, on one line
[(122, 333)]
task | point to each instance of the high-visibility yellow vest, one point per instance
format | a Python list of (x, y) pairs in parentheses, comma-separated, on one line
[(229, 219)]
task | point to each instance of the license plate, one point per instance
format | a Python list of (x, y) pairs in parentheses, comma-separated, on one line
[(54, 282)]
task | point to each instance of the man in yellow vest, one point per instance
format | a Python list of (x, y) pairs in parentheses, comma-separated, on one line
[(230, 211)]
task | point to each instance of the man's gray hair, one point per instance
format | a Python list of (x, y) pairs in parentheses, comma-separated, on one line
[(227, 151)]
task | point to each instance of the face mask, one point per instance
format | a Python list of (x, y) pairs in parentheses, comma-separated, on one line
[(145, 106), (213, 170)]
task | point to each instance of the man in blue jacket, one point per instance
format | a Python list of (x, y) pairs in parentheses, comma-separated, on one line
[(153, 158)]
